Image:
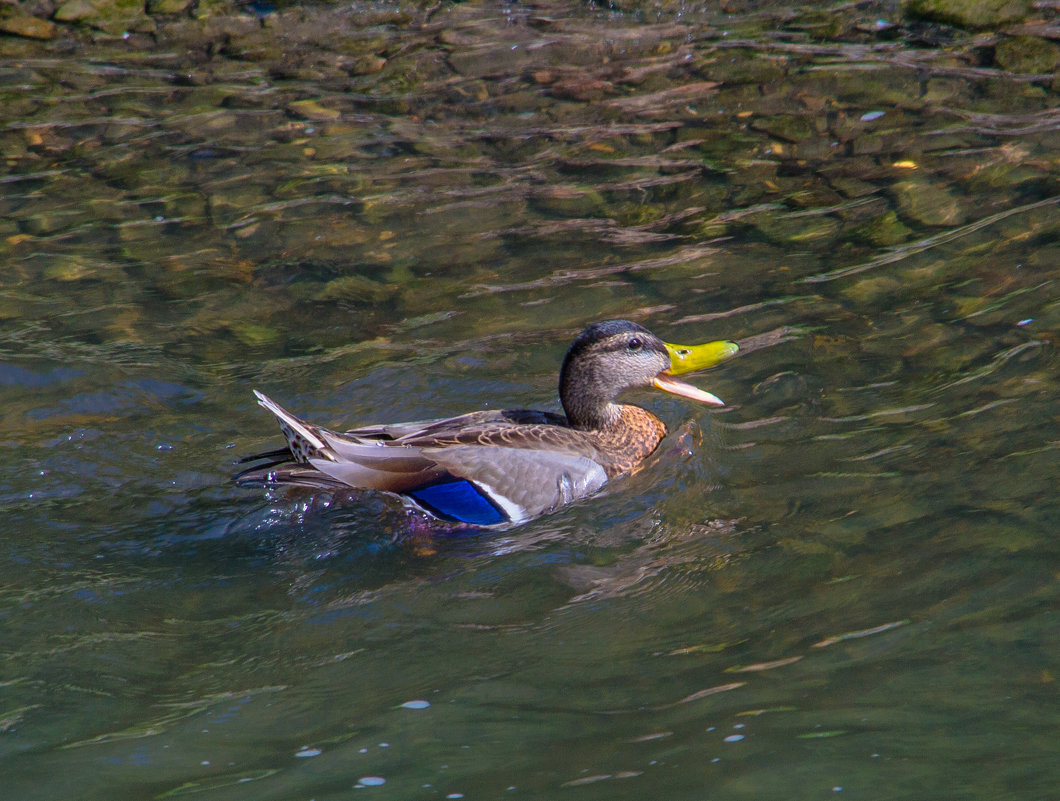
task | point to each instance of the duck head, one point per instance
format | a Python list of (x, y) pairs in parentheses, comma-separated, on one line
[(610, 357)]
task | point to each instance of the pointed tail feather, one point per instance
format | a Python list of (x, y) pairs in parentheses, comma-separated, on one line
[(316, 456), (302, 438)]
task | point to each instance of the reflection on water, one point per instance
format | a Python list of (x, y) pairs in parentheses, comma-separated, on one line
[(842, 583)]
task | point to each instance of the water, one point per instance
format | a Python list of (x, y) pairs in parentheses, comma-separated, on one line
[(844, 584)]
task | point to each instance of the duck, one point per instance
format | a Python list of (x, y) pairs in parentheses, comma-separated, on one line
[(500, 468)]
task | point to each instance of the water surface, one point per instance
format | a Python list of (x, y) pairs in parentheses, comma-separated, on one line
[(843, 584)]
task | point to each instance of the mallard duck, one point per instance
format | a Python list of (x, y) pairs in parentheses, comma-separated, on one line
[(498, 468)]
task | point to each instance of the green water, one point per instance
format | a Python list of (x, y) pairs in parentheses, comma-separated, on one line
[(844, 584)]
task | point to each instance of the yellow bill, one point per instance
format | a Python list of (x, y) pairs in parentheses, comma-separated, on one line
[(690, 358)]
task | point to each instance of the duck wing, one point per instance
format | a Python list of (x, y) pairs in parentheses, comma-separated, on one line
[(514, 461), (524, 483), (451, 426)]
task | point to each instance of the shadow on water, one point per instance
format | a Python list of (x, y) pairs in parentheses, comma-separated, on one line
[(842, 583)]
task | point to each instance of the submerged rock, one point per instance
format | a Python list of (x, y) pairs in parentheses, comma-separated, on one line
[(1027, 54), (167, 6), (969, 13), (313, 110), (569, 201), (785, 126), (110, 16), (884, 231), (356, 289), (74, 10), (27, 26), (927, 203)]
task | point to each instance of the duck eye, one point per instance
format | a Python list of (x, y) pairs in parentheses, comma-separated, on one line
[(634, 344)]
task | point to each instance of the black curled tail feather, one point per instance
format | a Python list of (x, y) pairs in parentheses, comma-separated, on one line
[(280, 455), (258, 473)]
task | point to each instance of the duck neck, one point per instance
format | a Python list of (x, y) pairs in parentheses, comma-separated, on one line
[(588, 404), (594, 417)]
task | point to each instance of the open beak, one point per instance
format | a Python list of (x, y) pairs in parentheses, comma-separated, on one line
[(688, 359)]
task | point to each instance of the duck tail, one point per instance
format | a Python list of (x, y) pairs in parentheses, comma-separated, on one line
[(303, 440)]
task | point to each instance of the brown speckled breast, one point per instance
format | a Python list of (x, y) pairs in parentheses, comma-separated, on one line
[(624, 446)]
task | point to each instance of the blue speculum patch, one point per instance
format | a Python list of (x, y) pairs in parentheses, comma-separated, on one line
[(460, 502)]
